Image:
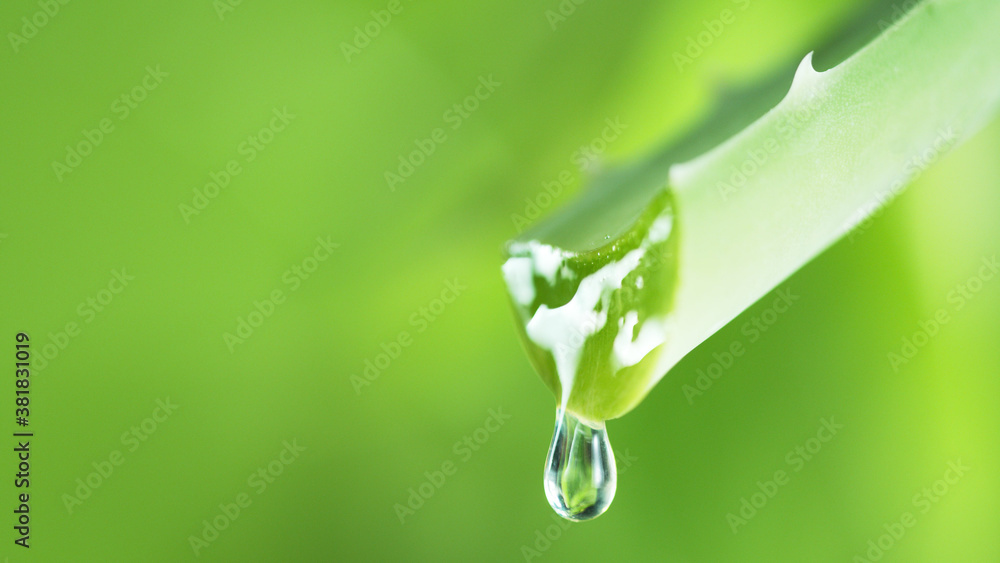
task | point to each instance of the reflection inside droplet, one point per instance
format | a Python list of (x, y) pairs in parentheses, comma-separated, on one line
[(580, 476)]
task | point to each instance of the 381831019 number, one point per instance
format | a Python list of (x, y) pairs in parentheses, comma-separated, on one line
[(22, 383)]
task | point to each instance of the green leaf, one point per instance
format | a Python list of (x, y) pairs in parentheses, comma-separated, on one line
[(654, 257)]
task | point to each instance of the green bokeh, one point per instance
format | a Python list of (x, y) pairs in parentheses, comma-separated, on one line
[(687, 465)]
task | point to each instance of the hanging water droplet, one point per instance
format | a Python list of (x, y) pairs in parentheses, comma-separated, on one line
[(580, 474)]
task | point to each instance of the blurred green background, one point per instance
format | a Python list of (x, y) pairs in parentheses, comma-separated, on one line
[(248, 404)]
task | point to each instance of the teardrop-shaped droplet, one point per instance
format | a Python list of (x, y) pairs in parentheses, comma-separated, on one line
[(580, 474)]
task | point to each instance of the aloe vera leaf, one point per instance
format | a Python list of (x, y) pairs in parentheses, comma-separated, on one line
[(752, 210)]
